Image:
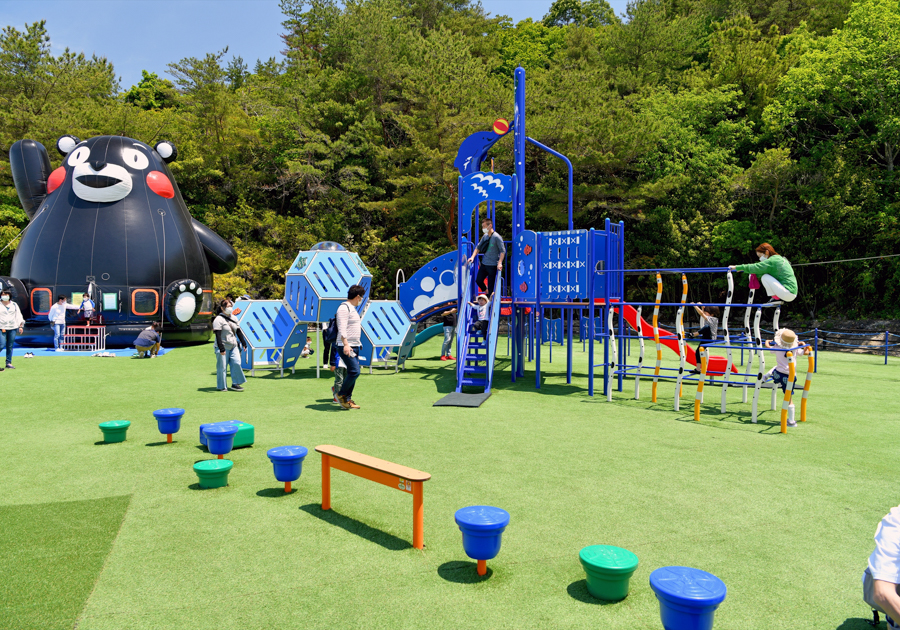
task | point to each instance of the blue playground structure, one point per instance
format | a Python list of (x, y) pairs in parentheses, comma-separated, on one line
[(274, 335), (549, 277)]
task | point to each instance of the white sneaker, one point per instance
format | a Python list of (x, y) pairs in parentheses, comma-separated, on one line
[(60, 350), (790, 419)]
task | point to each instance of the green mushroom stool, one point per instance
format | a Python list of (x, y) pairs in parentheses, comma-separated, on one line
[(608, 570), (114, 430), (213, 473)]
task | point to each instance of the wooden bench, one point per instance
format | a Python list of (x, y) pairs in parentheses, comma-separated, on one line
[(392, 475)]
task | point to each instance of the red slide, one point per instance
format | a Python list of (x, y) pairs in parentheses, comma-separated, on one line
[(715, 365)]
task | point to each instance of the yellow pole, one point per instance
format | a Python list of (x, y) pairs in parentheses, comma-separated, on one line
[(806, 386), (788, 391), (656, 334), (699, 396)]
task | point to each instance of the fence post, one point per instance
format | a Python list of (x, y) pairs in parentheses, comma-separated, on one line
[(885, 346), (816, 368)]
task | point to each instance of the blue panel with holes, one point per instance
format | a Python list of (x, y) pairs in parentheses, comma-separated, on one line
[(332, 273), (317, 283), (564, 266)]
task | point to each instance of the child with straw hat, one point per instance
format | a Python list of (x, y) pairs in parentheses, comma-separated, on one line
[(785, 339)]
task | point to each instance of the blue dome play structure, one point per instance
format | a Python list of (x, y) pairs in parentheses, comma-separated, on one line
[(315, 285)]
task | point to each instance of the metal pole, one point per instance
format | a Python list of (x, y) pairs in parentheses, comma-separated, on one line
[(885, 346), (816, 352)]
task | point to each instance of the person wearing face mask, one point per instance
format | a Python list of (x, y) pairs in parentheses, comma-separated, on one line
[(775, 273), (11, 320), (349, 343), (57, 315), (494, 253), (229, 338)]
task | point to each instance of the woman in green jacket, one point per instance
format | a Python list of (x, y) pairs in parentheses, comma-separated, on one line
[(775, 273)]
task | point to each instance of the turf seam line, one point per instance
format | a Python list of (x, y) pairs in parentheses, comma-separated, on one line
[(105, 562)]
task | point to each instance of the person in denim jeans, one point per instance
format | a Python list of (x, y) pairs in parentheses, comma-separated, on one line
[(349, 343), (57, 315), (449, 320), (229, 338), (11, 320)]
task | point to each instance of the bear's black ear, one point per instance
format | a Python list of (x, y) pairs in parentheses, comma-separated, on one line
[(166, 150), (66, 143)]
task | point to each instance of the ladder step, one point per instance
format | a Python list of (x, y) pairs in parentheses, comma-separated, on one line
[(475, 381), (476, 357)]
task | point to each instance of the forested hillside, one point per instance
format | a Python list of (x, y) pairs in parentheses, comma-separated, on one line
[(707, 126)]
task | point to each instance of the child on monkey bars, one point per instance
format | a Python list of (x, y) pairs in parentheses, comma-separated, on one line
[(775, 274)]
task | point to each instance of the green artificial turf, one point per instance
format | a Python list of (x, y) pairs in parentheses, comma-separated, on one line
[(785, 520)]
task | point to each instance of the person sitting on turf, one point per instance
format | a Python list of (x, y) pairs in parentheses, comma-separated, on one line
[(786, 339), (307, 351), (710, 317), (484, 315), (775, 272), (148, 342), (881, 579)]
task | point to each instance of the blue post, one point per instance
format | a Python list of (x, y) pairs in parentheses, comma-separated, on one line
[(606, 306), (620, 286), (816, 352), (591, 309), (569, 369), (885, 346)]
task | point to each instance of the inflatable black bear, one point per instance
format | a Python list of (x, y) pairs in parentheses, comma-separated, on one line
[(111, 222)]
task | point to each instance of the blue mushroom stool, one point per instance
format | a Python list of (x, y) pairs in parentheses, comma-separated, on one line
[(220, 438), (168, 421), (287, 461), (482, 528), (688, 598)]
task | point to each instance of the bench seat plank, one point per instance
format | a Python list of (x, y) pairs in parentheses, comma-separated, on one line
[(373, 462)]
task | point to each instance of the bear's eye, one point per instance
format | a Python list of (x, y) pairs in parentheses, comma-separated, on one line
[(135, 159), (79, 156)]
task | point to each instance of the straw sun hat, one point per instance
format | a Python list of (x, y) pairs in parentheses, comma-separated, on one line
[(786, 338)]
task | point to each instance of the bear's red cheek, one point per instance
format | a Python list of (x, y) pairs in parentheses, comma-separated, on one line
[(160, 184), (56, 179)]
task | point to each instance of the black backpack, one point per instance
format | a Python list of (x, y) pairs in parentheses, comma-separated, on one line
[(329, 334)]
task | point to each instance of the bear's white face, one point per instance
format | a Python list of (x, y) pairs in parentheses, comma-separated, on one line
[(101, 182)]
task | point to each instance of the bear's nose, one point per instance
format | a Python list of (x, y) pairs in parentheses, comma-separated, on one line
[(98, 166)]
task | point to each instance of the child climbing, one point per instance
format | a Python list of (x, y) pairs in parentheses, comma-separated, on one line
[(776, 273), (785, 339), (481, 305), (710, 317)]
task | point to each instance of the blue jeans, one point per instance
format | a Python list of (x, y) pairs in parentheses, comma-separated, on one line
[(58, 331), (352, 364), (7, 340), (448, 339), (233, 358)]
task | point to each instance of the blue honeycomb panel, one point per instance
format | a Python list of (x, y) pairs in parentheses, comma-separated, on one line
[(385, 323), (332, 273), (301, 262), (301, 297), (266, 323)]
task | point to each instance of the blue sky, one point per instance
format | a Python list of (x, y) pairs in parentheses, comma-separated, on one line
[(140, 35)]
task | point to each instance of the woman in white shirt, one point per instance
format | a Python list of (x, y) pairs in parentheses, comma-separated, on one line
[(11, 320), (349, 343)]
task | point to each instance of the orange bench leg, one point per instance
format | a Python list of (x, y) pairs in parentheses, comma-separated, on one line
[(326, 482), (418, 516)]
